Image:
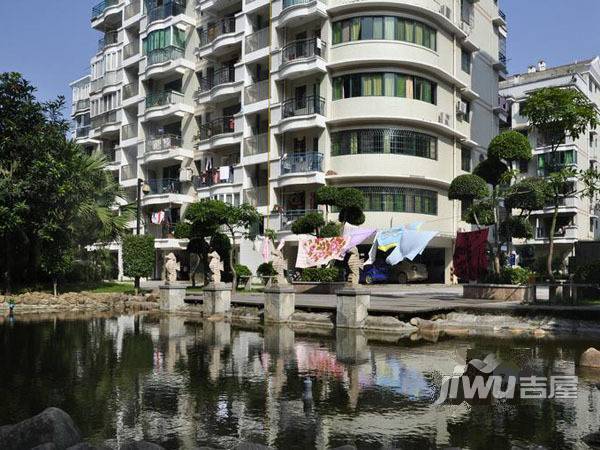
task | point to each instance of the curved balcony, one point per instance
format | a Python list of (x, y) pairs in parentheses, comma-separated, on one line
[(218, 38), (301, 58), (304, 168), (80, 106), (165, 147), (108, 40), (397, 110), (105, 10), (439, 11), (110, 79), (301, 113), (165, 190), (220, 85), (168, 9), (296, 12), (106, 122), (220, 132), (162, 62), (166, 103)]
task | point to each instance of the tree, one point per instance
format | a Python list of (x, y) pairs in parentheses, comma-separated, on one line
[(139, 257), (557, 113), (52, 191), (207, 217)]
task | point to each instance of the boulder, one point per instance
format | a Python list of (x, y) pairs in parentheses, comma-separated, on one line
[(590, 358), (141, 445), (52, 425)]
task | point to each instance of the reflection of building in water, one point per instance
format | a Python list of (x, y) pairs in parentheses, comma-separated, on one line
[(117, 328)]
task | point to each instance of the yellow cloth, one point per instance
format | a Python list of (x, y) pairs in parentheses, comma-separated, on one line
[(385, 248)]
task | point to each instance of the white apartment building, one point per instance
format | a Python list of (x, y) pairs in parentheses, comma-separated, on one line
[(265, 101), (578, 216)]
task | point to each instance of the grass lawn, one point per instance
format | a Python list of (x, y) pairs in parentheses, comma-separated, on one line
[(104, 287)]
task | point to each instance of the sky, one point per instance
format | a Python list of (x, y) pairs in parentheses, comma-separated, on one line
[(51, 42)]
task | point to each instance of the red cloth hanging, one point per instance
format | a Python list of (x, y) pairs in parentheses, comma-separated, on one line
[(470, 259)]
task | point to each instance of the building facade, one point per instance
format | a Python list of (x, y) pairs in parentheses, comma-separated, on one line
[(265, 101), (578, 215)]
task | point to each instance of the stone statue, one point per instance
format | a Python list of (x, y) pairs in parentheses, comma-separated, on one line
[(171, 268), (354, 265), (216, 266), (279, 264)]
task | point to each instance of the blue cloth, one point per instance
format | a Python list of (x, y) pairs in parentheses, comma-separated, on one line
[(412, 243)]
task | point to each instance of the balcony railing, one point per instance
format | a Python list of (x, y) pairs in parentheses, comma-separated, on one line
[(304, 48), (103, 119), (162, 143), (302, 162), (302, 106), (255, 145), (163, 98), (257, 40), (502, 14), (502, 58), (169, 9), (129, 131), (99, 8), (131, 49), (111, 155), (213, 177), (162, 55), (257, 196), (290, 3), (290, 216), (213, 31), (221, 76), (80, 105), (128, 172), (132, 9), (110, 38), (256, 92), (164, 186), (82, 132), (131, 90), (216, 127)]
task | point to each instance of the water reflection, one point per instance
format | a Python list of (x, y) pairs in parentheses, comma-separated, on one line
[(185, 383)]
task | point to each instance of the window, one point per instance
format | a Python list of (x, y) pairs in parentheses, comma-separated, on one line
[(465, 159), (465, 61), (160, 39), (399, 199), (389, 28), (387, 84), (383, 140)]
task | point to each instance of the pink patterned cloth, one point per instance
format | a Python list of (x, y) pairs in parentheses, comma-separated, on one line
[(319, 251), (266, 250)]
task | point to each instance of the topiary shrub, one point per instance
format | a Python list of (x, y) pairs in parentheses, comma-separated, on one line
[(516, 227), (327, 195), (266, 270), (242, 270), (510, 146), (350, 198), (139, 256), (483, 211), (491, 170), (468, 187), (355, 216), (308, 224), (330, 229), (529, 194), (321, 274)]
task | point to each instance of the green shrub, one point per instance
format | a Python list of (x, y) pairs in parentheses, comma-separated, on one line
[(138, 255), (308, 224), (321, 274), (330, 229), (516, 227), (266, 270), (491, 170), (242, 271), (588, 273), (510, 275), (484, 211), (468, 187), (510, 146)]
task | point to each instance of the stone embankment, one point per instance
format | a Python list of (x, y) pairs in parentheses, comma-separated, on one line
[(40, 302), (54, 429)]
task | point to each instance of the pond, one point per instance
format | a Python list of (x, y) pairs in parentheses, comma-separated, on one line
[(185, 383)]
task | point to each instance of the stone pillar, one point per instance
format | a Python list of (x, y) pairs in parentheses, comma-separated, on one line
[(352, 307), (351, 346), (172, 297), (280, 303), (217, 299)]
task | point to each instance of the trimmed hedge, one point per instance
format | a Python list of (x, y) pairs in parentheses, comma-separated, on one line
[(321, 274), (468, 187), (510, 146), (139, 256)]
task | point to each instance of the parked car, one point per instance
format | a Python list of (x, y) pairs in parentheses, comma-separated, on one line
[(402, 273)]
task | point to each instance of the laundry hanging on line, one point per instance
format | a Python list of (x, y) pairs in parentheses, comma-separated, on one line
[(316, 252), (470, 259)]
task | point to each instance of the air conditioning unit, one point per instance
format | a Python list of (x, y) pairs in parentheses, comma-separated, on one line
[(462, 108)]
